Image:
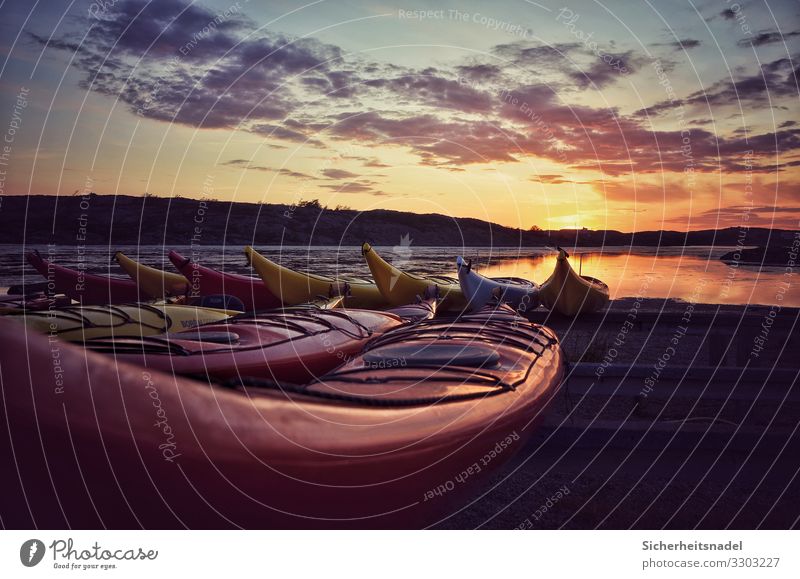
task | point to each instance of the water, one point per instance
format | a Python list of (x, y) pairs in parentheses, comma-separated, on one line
[(690, 273)]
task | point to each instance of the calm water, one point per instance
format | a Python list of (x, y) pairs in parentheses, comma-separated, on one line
[(683, 273)]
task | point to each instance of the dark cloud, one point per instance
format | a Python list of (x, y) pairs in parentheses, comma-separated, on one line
[(479, 72), (728, 14), (245, 164), (525, 54), (375, 162), (767, 37), (338, 174), (738, 209), (775, 79), (286, 134), (180, 62), (176, 67), (436, 91), (436, 140), (607, 70), (686, 44), (356, 187)]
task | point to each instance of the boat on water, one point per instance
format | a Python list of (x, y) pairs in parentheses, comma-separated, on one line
[(295, 287), (571, 294), (761, 256), (384, 441)]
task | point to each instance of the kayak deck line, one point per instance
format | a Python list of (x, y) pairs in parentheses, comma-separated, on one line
[(287, 321), (366, 400)]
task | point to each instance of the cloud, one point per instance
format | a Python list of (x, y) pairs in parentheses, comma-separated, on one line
[(279, 132), (168, 63), (356, 187), (245, 164), (785, 217), (375, 163), (180, 62), (767, 37), (436, 91), (775, 79), (338, 174), (681, 44), (606, 70)]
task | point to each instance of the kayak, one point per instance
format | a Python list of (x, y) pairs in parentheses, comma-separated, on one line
[(400, 287), (520, 294), (80, 323), (136, 448), (571, 294), (152, 281), (30, 303), (291, 344), (86, 288), (204, 281), (295, 287)]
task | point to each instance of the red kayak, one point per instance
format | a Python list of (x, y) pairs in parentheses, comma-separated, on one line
[(294, 345), (87, 288), (205, 281), (98, 444)]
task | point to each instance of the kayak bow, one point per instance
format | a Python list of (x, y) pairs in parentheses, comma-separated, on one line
[(400, 287), (571, 294), (204, 281), (86, 288), (152, 281), (296, 287), (520, 294)]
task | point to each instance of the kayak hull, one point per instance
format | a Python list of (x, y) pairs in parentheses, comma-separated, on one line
[(522, 295), (295, 287), (135, 448), (570, 294), (204, 281), (399, 287), (86, 288), (152, 281), (293, 345), (129, 320)]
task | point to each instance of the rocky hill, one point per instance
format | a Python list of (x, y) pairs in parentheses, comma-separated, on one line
[(122, 220)]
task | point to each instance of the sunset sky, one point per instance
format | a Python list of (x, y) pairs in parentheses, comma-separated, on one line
[(616, 115)]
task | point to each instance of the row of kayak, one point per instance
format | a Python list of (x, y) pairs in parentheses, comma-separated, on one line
[(565, 291), (305, 416)]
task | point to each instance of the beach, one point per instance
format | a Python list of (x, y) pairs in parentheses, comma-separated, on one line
[(690, 443)]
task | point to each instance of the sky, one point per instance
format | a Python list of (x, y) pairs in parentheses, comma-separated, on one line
[(607, 115)]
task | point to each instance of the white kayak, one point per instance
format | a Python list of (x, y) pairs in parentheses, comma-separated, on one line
[(520, 294)]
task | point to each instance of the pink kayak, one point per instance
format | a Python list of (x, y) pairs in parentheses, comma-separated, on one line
[(87, 288), (394, 439), (205, 281), (295, 344)]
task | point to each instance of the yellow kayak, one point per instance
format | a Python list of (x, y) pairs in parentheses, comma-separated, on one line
[(400, 287), (154, 282), (571, 294), (131, 320), (295, 287)]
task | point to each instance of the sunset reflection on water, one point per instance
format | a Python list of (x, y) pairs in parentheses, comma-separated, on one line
[(686, 277)]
